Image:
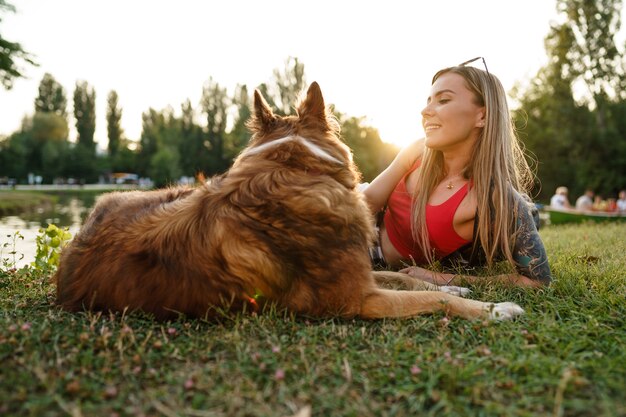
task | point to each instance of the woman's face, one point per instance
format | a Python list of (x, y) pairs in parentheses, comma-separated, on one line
[(451, 118)]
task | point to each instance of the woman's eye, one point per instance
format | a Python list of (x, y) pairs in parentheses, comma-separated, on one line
[(444, 100)]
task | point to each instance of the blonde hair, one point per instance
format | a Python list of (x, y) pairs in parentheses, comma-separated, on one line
[(497, 168)]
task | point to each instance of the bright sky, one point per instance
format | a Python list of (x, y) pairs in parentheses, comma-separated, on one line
[(371, 58)]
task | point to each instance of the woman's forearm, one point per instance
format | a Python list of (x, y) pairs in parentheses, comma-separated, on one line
[(508, 279)]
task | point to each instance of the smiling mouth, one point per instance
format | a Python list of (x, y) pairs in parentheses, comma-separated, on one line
[(431, 127)]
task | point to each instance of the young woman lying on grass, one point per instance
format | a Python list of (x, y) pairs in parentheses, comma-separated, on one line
[(459, 195)]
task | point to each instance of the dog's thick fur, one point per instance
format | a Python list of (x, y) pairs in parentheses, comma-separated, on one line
[(285, 225)]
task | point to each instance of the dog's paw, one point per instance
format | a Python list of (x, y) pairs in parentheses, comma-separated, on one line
[(458, 291), (504, 311)]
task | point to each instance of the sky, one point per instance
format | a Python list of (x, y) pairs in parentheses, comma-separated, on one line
[(372, 59)]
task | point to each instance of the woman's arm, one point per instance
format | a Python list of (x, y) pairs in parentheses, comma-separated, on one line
[(529, 254), (379, 190), (442, 278)]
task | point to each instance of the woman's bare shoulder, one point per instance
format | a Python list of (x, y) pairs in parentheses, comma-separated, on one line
[(410, 153)]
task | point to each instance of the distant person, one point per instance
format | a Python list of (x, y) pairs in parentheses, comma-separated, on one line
[(621, 202), (611, 204), (559, 199), (599, 204), (585, 201)]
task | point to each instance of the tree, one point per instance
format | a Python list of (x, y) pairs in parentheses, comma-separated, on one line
[(114, 124), (549, 118), (282, 95), (578, 142), (152, 123), (51, 98), (290, 82), (125, 159), (597, 64), (14, 156), (46, 138), (84, 161), (239, 136), (122, 157), (194, 155), (159, 157), (12, 55), (371, 154), (165, 166), (593, 55), (48, 126), (215, 103), (85, 114)]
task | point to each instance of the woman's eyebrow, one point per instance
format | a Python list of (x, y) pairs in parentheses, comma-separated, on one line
[(440, 92)]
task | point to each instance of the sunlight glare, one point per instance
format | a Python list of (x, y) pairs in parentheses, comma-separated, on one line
[(398, 130)]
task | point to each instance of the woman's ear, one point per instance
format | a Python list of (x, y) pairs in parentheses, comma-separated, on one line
[(480, 119)]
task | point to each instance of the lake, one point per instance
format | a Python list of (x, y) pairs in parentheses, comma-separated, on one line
[(70, 211)]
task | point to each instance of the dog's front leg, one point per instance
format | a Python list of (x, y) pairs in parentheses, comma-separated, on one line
[(382, 303), (398, 280)]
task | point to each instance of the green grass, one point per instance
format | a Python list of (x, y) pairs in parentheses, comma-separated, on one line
[(565, 357), (12, 202)]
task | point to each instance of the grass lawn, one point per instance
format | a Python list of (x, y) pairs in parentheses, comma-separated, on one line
[(565, 357), (12, 202)]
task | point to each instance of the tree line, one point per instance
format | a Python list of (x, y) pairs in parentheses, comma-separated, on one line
[(198, 139)]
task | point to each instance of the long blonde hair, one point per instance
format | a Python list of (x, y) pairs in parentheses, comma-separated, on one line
[(497, 169)]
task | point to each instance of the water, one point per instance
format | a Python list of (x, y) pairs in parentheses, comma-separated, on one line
[(70, 211)]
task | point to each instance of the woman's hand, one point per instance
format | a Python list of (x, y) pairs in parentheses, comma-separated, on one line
[(436, 278)]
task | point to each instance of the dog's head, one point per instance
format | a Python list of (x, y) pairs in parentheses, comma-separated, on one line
[(309, 140)]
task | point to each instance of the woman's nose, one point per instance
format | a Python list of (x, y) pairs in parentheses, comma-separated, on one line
[(427, 110)]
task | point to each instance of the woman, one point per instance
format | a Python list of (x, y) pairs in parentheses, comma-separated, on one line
[(458, 196)]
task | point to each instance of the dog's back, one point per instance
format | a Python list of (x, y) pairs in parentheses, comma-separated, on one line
[(191, 251), (104, 262)]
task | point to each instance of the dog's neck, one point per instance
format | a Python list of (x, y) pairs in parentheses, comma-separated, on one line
[(313, 148)]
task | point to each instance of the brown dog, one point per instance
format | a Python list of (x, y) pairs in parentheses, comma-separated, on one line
[(285, 225)]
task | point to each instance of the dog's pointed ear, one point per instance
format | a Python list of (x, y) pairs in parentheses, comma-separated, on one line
[(262, 117), (313, 105)]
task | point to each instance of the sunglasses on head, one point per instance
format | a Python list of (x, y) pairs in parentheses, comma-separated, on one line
[(475, 59)]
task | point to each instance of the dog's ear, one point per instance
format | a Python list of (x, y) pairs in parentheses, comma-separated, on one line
[(313, 106), (263, 117)]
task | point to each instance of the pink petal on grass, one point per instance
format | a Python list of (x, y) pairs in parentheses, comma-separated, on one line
[(110, 392), (415, 370)]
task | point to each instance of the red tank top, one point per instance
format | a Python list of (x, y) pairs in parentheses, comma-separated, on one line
[(439, 221)]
